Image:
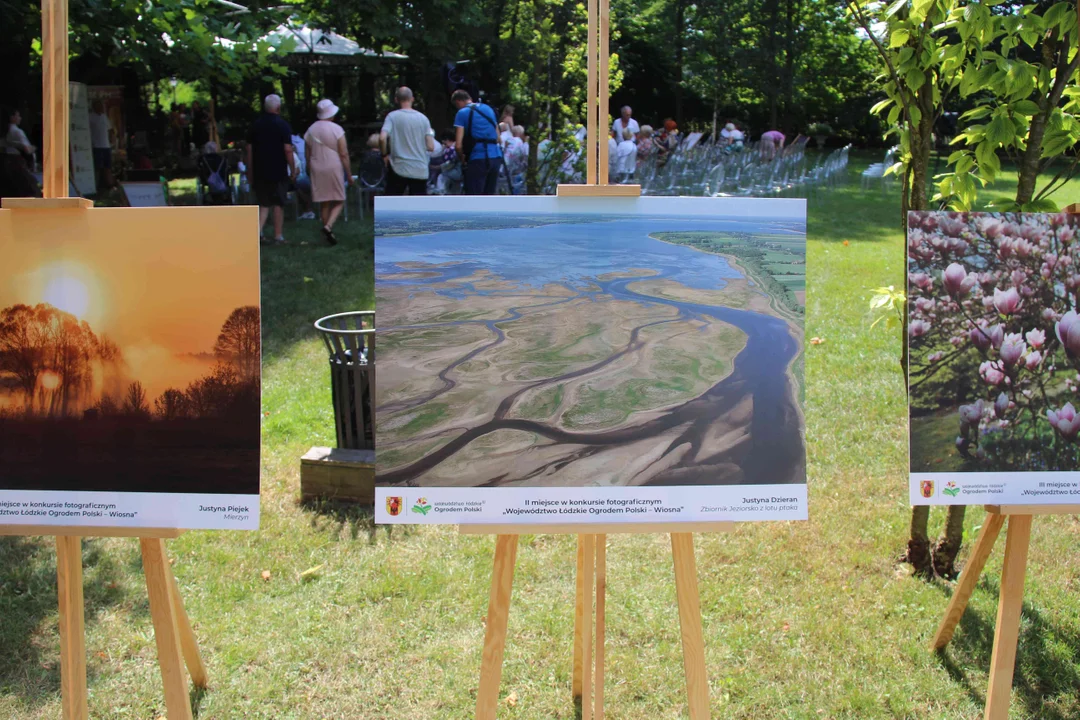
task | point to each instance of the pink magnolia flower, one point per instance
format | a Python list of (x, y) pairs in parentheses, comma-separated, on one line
[(1006, 302), (984, 338), (1065, 421), (1066, 234), (1035, 338), (921, 280), (957, 281), (1033, 359), (935, 357), (1012, 348), (1049, 315), (991, 373), (918, 328), (1001, 405), (972, 414), (1068, 331)]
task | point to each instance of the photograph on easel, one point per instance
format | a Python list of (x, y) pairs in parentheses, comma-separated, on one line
[(130, 367), (583, 359), (994, 357)]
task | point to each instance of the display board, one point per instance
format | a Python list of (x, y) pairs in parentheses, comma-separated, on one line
[(129, 368), (994, 358), (145, 194), (83, 176), (559, 360)]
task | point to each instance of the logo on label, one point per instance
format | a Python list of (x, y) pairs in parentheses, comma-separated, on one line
[(393, 506), (927, 488), (421, 506), (951, 489)]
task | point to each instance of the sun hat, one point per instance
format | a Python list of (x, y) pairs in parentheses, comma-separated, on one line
[(326, 109)]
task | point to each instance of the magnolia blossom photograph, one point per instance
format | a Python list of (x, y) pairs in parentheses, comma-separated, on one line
[(994, 341)]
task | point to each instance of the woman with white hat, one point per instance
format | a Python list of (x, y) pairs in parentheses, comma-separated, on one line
[(328, 166)]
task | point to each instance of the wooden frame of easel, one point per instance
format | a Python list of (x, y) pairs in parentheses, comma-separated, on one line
[(1010, 597), (175, 638), (587, 685)]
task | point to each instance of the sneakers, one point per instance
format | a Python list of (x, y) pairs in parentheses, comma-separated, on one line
[(309, 215)]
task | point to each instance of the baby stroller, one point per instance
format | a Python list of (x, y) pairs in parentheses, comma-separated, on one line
[(215, 184)]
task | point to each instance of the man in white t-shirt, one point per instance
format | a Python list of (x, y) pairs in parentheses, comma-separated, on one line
[(101, 137), (625, 122), (407, 142)]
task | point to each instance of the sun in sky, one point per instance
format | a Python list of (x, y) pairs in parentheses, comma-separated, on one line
[(71, 287)]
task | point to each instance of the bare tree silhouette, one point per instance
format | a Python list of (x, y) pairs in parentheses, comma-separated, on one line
[(135, 400), (238, 341)]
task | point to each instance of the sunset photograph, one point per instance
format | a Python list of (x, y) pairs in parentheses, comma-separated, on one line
[(129, 350)]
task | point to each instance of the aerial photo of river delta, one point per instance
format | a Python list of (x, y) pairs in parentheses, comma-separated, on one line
[(589, 342)]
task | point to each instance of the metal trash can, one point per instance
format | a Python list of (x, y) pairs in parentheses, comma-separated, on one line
[(350, 338)]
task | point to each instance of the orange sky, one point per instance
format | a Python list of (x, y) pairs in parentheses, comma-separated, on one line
[(158, 281)]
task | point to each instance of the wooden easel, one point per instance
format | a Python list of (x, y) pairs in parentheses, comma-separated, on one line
[(173, 633), (1010, 598), (587, 685)]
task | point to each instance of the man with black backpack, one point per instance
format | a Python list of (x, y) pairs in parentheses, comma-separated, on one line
[(477, 144)]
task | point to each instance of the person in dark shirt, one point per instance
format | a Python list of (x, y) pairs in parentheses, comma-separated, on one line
[(477, 144), (271, 163)]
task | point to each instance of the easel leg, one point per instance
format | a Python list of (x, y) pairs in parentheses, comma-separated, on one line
[(579, 612), (163, 613), (189, 644), (693, 642), (969, 577), (1010, 604), (502, 585), (589, 543), (601, 591), (69, 591)]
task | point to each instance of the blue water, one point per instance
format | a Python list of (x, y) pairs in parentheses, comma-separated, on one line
[(570, 253)]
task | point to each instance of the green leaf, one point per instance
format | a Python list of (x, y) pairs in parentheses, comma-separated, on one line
[(1025, 107), (977, 113), (876, 110), (1000, 131), (1040, 206), (899, 37)]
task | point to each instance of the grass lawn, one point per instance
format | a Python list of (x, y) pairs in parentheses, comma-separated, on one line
[(802, 620)]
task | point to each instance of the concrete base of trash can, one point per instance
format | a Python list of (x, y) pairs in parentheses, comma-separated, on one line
[(334, 474)]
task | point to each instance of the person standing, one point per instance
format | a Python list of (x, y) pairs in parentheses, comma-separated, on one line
[(101, 142), (16, 158), (407, 142), (328, 166), (477, 144), (625, 121), (626, 157), (270, 163)]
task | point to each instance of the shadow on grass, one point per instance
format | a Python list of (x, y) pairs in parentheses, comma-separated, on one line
[(303, 282), (197, 695), (28, 610), (356, 517), (1047, 658)]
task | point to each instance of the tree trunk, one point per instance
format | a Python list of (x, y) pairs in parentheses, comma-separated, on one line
[(948, 545), (918, 547), (918, 551)]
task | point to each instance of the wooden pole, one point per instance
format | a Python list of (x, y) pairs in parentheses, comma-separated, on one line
[(603, 83), (159, 588), (54, 81), (69, 582), (693, 641), (591, 137), (969, 578), (502, 585), (579, 621), (601, 591), (1010, 604)]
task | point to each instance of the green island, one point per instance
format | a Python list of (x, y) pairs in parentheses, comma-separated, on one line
[(775, 262)]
